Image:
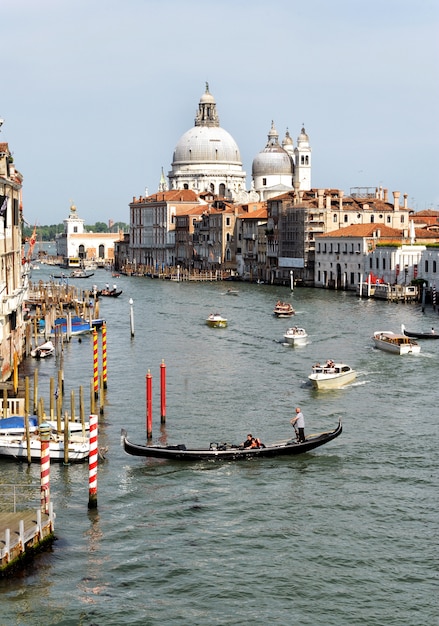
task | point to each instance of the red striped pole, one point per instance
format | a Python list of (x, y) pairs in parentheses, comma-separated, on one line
[(149, 405), (93, 464), (104, 354), (163, 392), (44, 429), (95, 364)]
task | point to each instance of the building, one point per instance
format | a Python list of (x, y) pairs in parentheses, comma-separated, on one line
[(78, 247), (14, 267)]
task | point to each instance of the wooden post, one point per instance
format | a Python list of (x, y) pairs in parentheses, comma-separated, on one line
[(66, 438), (51, 398), (5, 403), (81, 409), (162, 392), (35, 391), (149, 405), (93, 464), (104, 354)]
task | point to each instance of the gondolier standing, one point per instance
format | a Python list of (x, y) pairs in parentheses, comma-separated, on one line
[(299, 422)]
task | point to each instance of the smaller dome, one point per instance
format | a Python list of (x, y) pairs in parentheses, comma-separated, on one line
[(207, 97), (273, 160), (287, 140), (303, 136)]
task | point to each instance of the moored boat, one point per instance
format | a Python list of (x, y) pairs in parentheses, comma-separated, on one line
[(229, 452), (296, 336), (215, 320), (15, 446), (43, 350), (419, 335), (395, 342), (109, 293), (331, 375)]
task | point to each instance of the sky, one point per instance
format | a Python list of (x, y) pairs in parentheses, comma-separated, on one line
[(96, 93)]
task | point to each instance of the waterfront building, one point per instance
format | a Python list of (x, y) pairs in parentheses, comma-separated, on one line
[(250, 238), (79, 248), (152, 226), (14, 267), (296, 219)]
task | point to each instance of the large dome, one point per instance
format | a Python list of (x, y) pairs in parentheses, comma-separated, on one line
[(206, 144)]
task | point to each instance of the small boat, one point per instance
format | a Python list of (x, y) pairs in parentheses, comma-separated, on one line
[(80, 326), (283, 309), (215, 320), (417, 335), (81, 274), (296, 336), (229, 452), (42, 351), (109, 293), (395, 343), (16, 425), (232, 292), (331, 375), (15, 446)]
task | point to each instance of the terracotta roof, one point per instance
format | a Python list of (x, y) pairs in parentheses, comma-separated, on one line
[(364, 230)]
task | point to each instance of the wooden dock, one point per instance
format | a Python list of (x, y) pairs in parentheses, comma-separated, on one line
[(22, 534)]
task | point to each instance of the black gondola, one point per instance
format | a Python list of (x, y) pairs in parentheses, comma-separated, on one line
[(108, 293), (229, 452), (431, 335)]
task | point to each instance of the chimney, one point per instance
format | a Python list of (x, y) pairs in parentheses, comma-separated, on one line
[(320, 193), (405, 201), (340, 195), (386, 195), (396, 195), (328, 201)]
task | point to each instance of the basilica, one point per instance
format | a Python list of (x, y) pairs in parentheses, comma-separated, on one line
[(207, 159)]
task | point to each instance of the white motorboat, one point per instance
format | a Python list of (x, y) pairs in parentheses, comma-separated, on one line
[(43, 350), (15, 446), (215, 320), (396, 343), (16, 425), (296, 336), (331, 375)]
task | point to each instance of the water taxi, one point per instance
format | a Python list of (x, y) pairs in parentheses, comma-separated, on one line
[(395, 342)]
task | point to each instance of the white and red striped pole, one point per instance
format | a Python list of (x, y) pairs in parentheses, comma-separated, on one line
[(44, 430), (93, 464)]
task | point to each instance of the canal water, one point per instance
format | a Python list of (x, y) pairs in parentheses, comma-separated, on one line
[(344, 535)]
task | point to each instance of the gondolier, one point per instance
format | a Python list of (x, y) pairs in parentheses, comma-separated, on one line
[(299, 422)]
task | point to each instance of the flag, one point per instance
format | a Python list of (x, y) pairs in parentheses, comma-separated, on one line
[(3, 205)]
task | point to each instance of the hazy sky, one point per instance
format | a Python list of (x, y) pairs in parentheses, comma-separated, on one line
[(96, 93)]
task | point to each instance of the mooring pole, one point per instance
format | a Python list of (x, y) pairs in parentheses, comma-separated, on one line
[(162, 392), (149, 405), (93, 464)]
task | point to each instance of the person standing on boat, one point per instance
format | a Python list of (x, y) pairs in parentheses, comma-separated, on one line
[(298, 422)]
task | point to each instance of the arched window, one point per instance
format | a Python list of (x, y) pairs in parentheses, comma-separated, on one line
[(81, 251), (222, 189), (102, 251)]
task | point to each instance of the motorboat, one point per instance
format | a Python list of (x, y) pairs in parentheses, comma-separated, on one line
[(331, 375), (44, 350), (229, 452), (283, 309), (419, 335), (232, 292), (296, 336), (215, 320), (15, 446), (16, 425), (395, 342), (79, 326)]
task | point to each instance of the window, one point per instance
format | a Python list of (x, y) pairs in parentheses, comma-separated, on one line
[(434, 267), (227, 221), (402, 219), (370, 263), (372, 219), (384, 263), (334, 217), (345, 219), (426, 266), (264, 181), (388, 219)]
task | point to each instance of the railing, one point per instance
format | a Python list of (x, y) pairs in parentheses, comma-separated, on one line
[(20, 496)]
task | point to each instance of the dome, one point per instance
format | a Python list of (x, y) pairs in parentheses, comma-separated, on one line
[(206, 144), (273, 159)]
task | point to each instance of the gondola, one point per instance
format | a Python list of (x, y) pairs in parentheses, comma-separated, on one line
[(431, 335), (229, 452), (108, 293)]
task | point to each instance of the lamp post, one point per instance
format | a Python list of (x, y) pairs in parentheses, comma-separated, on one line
[(131, 316)]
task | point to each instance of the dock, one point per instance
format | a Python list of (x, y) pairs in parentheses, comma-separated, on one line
[(22, 534)]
